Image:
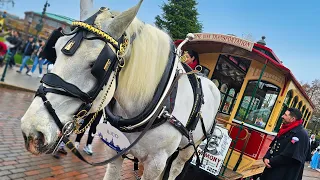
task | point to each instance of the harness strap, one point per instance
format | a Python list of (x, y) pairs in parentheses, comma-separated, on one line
[(74, 150), (122, 123), (55, 81), (40, 92)]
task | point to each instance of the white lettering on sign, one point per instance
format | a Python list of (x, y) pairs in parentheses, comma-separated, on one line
[(242, 43)]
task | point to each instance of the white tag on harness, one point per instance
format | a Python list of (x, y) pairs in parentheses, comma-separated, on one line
[(112, 137)]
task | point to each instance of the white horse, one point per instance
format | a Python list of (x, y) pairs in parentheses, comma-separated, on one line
[(146, 59)]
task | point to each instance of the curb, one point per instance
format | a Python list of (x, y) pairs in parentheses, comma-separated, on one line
[(9, 86)]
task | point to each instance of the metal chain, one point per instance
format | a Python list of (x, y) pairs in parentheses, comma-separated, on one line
[(121, 63), (79, 131), (136, 175)]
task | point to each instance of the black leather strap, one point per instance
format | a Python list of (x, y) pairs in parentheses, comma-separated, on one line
[(41, 93), (198, 94), (55, 81), (120, 122), (70, 145)]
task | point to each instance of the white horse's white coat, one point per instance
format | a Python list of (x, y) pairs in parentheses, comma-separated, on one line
[(145, 63)]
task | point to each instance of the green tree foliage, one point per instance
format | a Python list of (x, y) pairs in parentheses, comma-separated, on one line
[(179, 18)]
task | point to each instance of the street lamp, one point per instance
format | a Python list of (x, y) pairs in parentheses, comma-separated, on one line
[(7, 58), (40, 25), (29, 19)]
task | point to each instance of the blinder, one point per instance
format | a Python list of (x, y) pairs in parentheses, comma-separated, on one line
[(49, 51)]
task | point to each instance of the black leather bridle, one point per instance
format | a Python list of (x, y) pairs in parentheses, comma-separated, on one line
[(107, 62)]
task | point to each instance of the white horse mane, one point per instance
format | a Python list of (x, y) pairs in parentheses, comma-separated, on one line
[(145, 64)]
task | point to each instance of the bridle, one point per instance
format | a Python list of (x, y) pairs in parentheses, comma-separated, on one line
[(108, 61)]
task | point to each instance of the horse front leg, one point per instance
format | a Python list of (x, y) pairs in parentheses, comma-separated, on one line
[(154, 165), (179, 162), (113, 170)]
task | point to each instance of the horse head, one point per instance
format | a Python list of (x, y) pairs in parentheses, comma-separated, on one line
[(83, 80)]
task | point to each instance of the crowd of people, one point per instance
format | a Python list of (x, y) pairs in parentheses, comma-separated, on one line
[(30, 50)]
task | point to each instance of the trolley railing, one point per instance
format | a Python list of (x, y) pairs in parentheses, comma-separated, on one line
[(234, 141)]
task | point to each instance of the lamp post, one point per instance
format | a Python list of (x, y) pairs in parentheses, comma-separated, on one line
[(40, 25), (7, 59), (29, 19)]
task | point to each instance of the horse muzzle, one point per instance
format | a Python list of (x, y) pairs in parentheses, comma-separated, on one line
[(35, 143)]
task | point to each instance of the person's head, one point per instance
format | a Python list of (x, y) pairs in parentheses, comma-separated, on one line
[(43, 43), (16, 33), (291, 115), (313, 136), (191, 56), (31, 38)]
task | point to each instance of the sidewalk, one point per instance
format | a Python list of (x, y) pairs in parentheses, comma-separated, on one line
[(21, 79)]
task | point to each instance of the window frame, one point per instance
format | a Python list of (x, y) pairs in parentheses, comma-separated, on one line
[(252, 103)]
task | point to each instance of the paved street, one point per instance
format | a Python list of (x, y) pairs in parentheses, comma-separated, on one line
[(17, 163)]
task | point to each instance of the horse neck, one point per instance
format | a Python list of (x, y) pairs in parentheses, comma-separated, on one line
[(139, 79)]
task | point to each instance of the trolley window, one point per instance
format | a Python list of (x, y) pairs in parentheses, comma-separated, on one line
[(257, 103)]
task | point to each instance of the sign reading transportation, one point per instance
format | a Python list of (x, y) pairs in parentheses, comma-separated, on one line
[(216, 152), (228, 39)]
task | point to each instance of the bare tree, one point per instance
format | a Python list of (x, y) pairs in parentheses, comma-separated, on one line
[(313, 91), (6, 2)]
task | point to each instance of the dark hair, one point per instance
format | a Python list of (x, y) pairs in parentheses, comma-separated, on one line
[(296, 113), (194, 54)]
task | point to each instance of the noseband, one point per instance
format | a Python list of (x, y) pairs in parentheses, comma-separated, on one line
[(107, 62)]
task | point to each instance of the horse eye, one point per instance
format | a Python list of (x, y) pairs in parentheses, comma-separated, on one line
[(112, 16), (91, 64)]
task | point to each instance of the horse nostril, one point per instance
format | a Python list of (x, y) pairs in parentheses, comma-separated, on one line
[(39, 138), (24, 137)]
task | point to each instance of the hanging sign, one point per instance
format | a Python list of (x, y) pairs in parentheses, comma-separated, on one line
[(219, 142), (112, 137), (228, 39)]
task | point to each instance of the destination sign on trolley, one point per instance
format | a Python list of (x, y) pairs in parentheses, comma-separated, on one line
[(216, 152), (242, 43)]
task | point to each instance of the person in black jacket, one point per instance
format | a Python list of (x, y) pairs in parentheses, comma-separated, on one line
[(14, 39), (27, 51), (288, 151), (313, 142), (38, 59)]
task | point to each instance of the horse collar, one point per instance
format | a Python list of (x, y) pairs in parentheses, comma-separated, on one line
[(139, 122)]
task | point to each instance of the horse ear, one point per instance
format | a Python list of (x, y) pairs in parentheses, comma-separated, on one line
[(121, 22), (86, 6)]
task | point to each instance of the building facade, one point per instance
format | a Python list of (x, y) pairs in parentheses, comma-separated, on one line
[(27, 26), (50, 22)]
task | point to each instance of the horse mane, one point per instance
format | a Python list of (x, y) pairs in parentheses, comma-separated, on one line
[(139, 78)]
